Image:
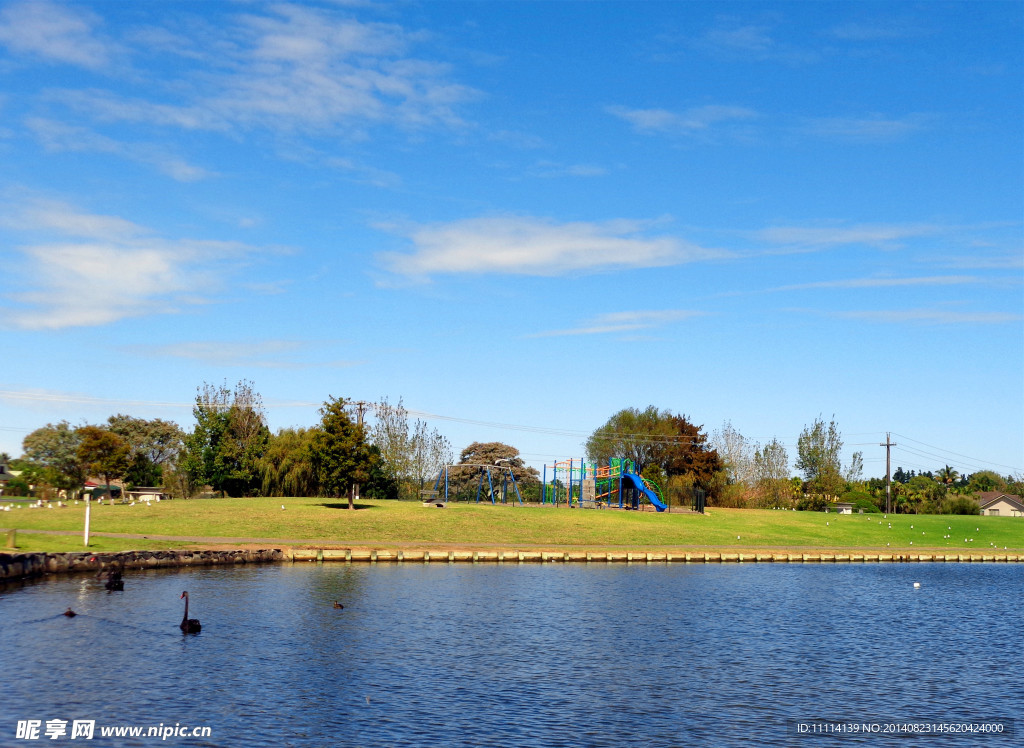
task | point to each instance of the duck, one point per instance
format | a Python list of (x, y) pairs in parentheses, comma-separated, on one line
[(70, 613), (338, 605), (189, 625)]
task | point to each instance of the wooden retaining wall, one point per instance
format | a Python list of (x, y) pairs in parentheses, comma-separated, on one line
[(27, 565)]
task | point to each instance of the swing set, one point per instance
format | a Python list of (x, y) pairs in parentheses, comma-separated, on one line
[(495, 491)]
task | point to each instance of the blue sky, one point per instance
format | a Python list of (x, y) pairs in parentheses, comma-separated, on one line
[(521, 217)]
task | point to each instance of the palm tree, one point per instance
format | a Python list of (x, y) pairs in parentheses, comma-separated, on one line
[(947, 475)]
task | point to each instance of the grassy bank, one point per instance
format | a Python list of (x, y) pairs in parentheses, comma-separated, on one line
[(408, 525)]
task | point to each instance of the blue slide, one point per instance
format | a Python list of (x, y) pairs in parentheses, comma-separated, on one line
[(638, 483)]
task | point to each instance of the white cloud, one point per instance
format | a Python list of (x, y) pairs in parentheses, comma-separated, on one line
[(88, 269), (620, 322), (535, 246), (691, 121), (816, 237), (54, 32)]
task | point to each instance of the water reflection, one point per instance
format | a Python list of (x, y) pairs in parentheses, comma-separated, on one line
[(517, 655)]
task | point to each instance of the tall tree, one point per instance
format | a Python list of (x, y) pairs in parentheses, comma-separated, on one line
[(340, 454), (688, 453), (818, 457), (102, 452), (153, 443), (54, 449), (431, 452), (653, 437), (736, 453), (229, 438), (638, 435), (409, 453), (771, 469), (948, 475)]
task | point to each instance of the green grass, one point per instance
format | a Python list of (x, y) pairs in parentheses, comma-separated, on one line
[(397, 524)]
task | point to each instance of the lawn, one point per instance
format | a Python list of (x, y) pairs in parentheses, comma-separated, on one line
[(382, 524)]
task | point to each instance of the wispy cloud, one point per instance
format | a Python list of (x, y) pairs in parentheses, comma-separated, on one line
[(269, 354), (875, 128), (56, 136), (820, 237), (540, 247), (934, 280), (552, 169), (688, 122), (73, 255), (297, 68), (931, 316), (621, 322), (888, 29), (757, 40), (56, 33)]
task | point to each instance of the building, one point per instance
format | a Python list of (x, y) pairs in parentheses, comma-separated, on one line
[(998, 504)]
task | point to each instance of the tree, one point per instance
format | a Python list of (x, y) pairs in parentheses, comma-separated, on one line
[(54, 450), (229, 438), (431, 451), (771, 470), (631, 433), (341, 456), (408, 454), (736, 453), (688, 453), (660, 438), (818, 450), (153, 444), (948, 475), (481, 455), (102, 452), (986, 480), (286, 468)]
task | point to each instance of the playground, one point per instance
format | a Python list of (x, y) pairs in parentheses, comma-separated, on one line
[(576, 484)]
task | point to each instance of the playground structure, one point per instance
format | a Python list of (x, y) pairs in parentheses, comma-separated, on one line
[(501, 493), (588, 485)]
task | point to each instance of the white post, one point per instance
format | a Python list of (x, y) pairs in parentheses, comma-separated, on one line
[(87, 507)]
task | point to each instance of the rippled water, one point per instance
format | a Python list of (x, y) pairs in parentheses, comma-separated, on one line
[(518, 655)]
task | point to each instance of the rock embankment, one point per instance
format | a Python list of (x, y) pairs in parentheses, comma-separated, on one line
[(28, 565)]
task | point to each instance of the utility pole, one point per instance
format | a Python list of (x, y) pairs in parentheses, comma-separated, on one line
[(889, 444), (361, 407)]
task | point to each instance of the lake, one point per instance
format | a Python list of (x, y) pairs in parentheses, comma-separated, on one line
[(520, 655)]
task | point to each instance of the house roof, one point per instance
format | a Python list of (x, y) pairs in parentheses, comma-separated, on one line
[(988, 498)]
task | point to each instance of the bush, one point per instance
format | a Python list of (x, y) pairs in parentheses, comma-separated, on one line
[(812, 503), (861, 500), (17, 487), (960, 505)]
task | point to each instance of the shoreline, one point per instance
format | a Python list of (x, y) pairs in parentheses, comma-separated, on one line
[(20, 566)]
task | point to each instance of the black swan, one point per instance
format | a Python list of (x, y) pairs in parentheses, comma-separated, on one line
[(70, 613), (114, 581), (338, 605), (189, 625)]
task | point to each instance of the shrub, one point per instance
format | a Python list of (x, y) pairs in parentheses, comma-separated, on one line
[(812, 503), (960, 505)]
